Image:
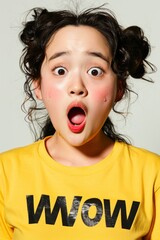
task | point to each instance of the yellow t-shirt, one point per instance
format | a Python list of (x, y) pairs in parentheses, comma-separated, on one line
[(117, 198)]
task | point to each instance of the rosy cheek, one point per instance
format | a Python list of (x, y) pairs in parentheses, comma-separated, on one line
[(101, 96), (52, 93)]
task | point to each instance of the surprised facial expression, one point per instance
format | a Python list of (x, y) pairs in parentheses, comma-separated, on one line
[(78, 86)]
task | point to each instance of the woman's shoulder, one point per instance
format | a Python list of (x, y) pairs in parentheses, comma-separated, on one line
[(138, 153), (144, 163), (20, 152), (143, 152)]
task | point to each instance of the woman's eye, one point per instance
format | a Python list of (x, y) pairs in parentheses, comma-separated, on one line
[(95, 71), (60, 71)]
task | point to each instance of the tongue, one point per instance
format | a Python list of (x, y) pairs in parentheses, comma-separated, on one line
[(76, 116)]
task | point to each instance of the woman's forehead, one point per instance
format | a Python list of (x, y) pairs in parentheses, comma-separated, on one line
[(78, 39)]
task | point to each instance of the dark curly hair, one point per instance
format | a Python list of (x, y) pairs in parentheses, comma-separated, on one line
[(129, 48)]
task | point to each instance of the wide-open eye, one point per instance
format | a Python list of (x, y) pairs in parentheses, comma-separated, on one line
[(60, 71), (95, 71)]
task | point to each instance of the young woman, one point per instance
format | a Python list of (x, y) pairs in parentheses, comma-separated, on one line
[(80, 179)]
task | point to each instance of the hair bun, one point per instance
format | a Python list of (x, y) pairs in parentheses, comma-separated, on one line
[(138, 48)]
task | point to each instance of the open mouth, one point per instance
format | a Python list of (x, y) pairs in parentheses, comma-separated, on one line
[(76, 115), (76, 119)]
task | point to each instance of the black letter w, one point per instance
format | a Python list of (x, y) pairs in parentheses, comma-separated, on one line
[(120, 205), (50, 217)]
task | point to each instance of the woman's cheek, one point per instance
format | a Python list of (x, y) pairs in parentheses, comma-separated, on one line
[(52, 101), (102, 96), (52, 94)]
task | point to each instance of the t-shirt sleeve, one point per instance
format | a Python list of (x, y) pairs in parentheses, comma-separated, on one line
[(154, 233), (6, 231)]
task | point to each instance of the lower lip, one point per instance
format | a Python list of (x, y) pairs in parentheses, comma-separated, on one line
[(76, 128)]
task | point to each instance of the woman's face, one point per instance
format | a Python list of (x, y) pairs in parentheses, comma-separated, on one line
[(78, 86)]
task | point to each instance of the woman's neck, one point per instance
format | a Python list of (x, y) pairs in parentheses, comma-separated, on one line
[(90, 153)]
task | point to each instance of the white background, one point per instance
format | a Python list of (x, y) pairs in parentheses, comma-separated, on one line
[(143, 122)]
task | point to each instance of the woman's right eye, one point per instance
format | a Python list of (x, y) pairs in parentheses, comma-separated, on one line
[(59, 71)]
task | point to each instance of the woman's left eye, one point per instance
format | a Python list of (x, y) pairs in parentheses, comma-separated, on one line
[(95, 71)]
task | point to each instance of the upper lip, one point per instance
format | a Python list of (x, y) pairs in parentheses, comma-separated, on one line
[(78, 105)]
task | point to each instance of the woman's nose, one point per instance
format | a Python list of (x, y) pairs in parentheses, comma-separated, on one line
[(78, 88)]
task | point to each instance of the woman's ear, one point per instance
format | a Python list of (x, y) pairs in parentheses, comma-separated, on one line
[(121, 87), (37, 89)]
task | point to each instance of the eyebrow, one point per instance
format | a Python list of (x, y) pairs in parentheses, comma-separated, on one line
[(99, 55), (58, 54), (95, 54)]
